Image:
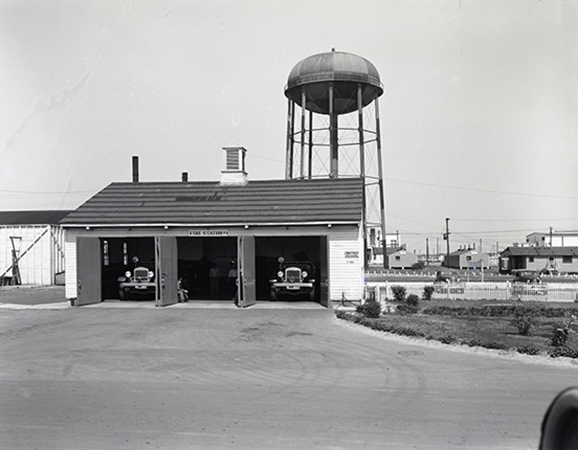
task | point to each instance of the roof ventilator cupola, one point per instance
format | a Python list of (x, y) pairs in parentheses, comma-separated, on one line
[(234, 172)]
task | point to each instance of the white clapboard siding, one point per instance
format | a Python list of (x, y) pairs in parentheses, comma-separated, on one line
[(346, 267), (70, 274), (35, 264)]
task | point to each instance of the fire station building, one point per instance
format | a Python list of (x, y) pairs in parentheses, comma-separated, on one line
[(184, 230)]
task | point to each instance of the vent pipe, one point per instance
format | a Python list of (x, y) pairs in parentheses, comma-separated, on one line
[(135, 169)]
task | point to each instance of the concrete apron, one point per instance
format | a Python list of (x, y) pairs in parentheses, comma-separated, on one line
[(191, 304)]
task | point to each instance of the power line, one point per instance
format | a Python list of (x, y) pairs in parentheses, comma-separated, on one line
[(462, 188), (514, 220), (48, 192)]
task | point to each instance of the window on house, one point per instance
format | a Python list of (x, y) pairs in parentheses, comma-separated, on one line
[(530, 259), (567, 259), (125, 253), (105, 254)]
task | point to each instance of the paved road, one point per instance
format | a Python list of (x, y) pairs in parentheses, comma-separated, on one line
[(189, 378)]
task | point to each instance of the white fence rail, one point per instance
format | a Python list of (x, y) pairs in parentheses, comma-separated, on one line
[(545, 292)]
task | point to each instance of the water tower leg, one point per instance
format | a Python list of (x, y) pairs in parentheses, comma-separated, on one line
[(360, 130), (290, 140), (310, 154), (362, 170), (381, 191), (303, 132), (333, 135)]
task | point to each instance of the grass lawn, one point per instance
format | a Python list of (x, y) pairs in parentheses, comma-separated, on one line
[(483, 324)]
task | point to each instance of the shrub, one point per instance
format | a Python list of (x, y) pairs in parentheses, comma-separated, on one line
[(560, 337), (524, 319), (371, 308), (492, 345), (404, 308), (412, 300), (528, 350), (420, 265), (427, 292), (562, 330), (475, 343), (398, 293), (408, 332), (447, 339), (342, 315), (568, 352)]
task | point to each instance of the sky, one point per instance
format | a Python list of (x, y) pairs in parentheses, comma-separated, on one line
[(479, 118)]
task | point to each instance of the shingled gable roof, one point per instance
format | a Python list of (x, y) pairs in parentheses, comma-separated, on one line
[(209, 203)]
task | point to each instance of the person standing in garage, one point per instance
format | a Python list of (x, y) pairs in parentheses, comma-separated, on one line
[(214, 276)]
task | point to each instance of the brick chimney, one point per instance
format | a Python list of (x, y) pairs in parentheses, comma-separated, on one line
[(234, 172)]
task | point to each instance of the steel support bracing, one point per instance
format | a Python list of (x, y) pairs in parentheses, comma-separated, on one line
[(381, 190), (303, 132), (290, 140), (333, 134)]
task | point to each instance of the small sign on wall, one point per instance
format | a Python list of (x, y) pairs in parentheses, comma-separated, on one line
[(350, 255), (203, 233)]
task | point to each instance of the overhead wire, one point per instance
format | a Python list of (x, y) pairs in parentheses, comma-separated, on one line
[(491, 191)]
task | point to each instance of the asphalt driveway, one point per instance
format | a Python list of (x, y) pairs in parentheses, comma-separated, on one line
[(189, 377)]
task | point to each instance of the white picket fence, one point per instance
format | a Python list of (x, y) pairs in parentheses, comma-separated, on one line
[(498, 291)]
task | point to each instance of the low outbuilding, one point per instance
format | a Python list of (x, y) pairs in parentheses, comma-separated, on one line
[(31, 247), (468, 258), (561, 260)]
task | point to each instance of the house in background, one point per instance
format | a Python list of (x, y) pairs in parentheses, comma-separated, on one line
[(400, 258), (468, 258), (397, 257), (554, 259), (553, 239), (31, 247)]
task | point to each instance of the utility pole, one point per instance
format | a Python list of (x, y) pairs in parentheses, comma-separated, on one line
[(447, 239), (427, 251), (482, 259)]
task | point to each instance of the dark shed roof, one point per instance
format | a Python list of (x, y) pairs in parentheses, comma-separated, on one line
[(540, 251), (465, 251), (32, 217), (209, 203)]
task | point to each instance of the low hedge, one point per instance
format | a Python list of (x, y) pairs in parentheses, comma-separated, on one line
[(498, 311), (570, 351)]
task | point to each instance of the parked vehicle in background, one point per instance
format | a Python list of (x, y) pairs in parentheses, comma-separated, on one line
[(528, 283), (138, 284), (526, 276), (295, 280)]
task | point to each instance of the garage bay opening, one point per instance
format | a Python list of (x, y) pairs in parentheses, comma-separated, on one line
[(128, 266), (208, 267), (289, 268)]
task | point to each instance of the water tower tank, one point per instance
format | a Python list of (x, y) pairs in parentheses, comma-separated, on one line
[(345, 70)]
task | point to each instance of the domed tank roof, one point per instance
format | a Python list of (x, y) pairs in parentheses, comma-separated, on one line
[(345, 70)]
